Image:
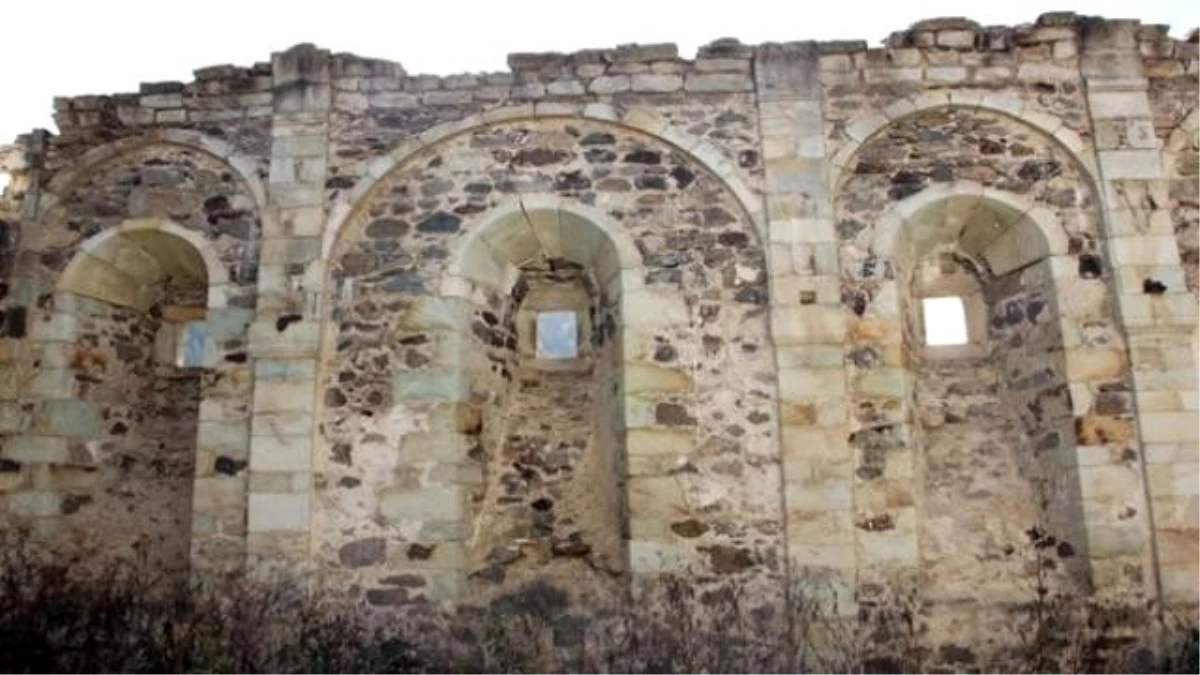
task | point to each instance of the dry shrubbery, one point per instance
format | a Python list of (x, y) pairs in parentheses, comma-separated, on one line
[(127, 620)]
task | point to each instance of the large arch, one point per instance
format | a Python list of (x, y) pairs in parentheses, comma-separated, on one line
[(245, 166), (862, 129), (439, 241), (102, 221), (638, 119), (1028, 246), (120, 381)]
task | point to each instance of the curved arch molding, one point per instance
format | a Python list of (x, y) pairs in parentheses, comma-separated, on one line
[(635, 119)]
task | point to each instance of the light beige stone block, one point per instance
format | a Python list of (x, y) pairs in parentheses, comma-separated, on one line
[(279, 512)]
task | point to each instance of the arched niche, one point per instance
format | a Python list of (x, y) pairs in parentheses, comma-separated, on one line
[(550, 503), (963, 189), (991, 418), (122, 362), (411, 359), (166, 212)]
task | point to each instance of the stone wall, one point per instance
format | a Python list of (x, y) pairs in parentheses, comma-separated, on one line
[(745, 237)]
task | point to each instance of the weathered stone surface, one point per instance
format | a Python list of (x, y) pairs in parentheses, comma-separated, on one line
[(291, 312)]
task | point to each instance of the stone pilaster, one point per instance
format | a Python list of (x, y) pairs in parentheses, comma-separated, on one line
[(808, 323), (284, 338), (1158, 315)]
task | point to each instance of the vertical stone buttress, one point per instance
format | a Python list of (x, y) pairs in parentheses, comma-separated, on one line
[(1158, 327), (284, 338), (808, 324)]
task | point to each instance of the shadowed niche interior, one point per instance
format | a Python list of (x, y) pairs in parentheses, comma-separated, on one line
[(983, 346), (550, 506), (138, 302)]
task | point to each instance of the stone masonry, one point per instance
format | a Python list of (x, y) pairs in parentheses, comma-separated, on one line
[(284, 316)]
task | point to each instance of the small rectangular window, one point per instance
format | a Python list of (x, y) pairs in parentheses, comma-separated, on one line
[(557, 335), (945, 321)]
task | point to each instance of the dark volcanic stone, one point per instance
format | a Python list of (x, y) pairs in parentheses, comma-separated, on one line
[(727, 559), (363, 552), (382, 597), (419, 552), (598, 138), (440, 223), (228, 466), (539, 157), (387, 228), (689, 529), (1039, 169), (643, 157), (673, 414)]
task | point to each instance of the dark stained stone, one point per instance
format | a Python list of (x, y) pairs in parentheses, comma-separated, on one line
[(384, 597), (386, 228), (340, 454), (286, 320), (363, 553), (883, 665), (689, 529), (1153, 287), (539, 157), (664, 353), (600, 156), (956, 654), (12, 322), (572, 181), (758, 417), (683, 176), (9, 465), (355, 264), (404, 580), (477, 188), (643, 157), (1039, 169), (734, 239), (748, 159), (538, 599), (751, 295), (129, 353), (673, 414), (1089, 266), (440, 223), (571, 547), (340, 183), (650, 182), (879, 523), (419, 551), (717, 217), (598, 138), (334, 397), (349, 482), (727, 559), (72, 503), (228, 466)]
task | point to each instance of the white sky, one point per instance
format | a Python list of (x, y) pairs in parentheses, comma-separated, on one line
[(73, 47)]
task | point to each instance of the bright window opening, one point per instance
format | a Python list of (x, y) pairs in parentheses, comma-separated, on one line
[(4, 180), (557, 335), (945, 321)]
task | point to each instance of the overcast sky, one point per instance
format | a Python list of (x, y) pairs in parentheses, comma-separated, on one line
[(73, 47)]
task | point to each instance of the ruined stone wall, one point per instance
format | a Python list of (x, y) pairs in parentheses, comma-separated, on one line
[(692, 341), (755, 400)]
